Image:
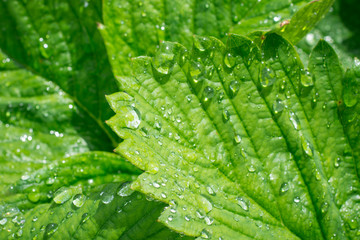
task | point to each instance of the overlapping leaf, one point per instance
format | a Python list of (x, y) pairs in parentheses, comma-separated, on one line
[(59, 41), (135, 28), (242, 142)]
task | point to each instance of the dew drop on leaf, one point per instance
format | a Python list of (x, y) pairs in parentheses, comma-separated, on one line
[(34, 197), (278, 106), (51, 228), (229, 60), (205, 234), (125, 190), (283, 188), (225, 116), (242, 203), (84, 218), (62, 195), (132, 118), (208, 94), (79, 200), (267, 77), (234, 87), (204, 203)]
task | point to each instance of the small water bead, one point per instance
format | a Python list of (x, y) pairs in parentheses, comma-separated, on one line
[(79, 200), (283, 188), (306, 78), (35, 218), (337, 162), (170, 218), (204, 203), (156, 185), (296, 199), (51, 228), (187, 218), (198, 43), (294, 120), (234, 88), (163, 195), (34, 197), (317, 175), (251, 168), (324, 208), (307, 148)]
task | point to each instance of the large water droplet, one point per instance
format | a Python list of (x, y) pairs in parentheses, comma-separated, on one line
[(267, 77), (198, 43), (132, 118), (84, 218), (51, 228), (209, 220), (226, 116), (242, 203), (204, 203), (237, 138), (294, 120), (34, 197), (79, 200), (234, 87), (306, 146), (62, 195), (210, 190), (278, 106), (283, 188), (306, 78), (229, 60), (3, 221), (208, 94), (125, 190), (205, 234)]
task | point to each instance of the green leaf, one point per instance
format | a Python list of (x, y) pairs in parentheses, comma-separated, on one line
[(36, 123), (112, 211), (134, 28), (242, 142), (86, 170), (60, 42), (339, 29)]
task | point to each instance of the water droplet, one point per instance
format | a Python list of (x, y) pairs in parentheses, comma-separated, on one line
[(132, 118), (50, 181), (353, 224), (234, 87), (198, 43), (170, 218), (317, 175), (251, 168), (51, 228), (226, 116), (205, 234), (294, 120), (79, 200), (204, 203), (210, 190), (35, 218), (306, 78), (84, 218), (306, 146), (187, 218), (62, 195), (237, 138), (156, 185), (163, 195), (189, 98), (209, 220), (229, 60), (208, 94), (106, 198), (125, 190), (324, 208), (296, 199), (34, 197), (241, 202), (337, 162), (278, 106), (283, 188), (267, 77), (3, 221)]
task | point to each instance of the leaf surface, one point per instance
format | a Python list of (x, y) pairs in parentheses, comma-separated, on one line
[(134, 28), (242, 142), (59, 41), (112, 211)]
